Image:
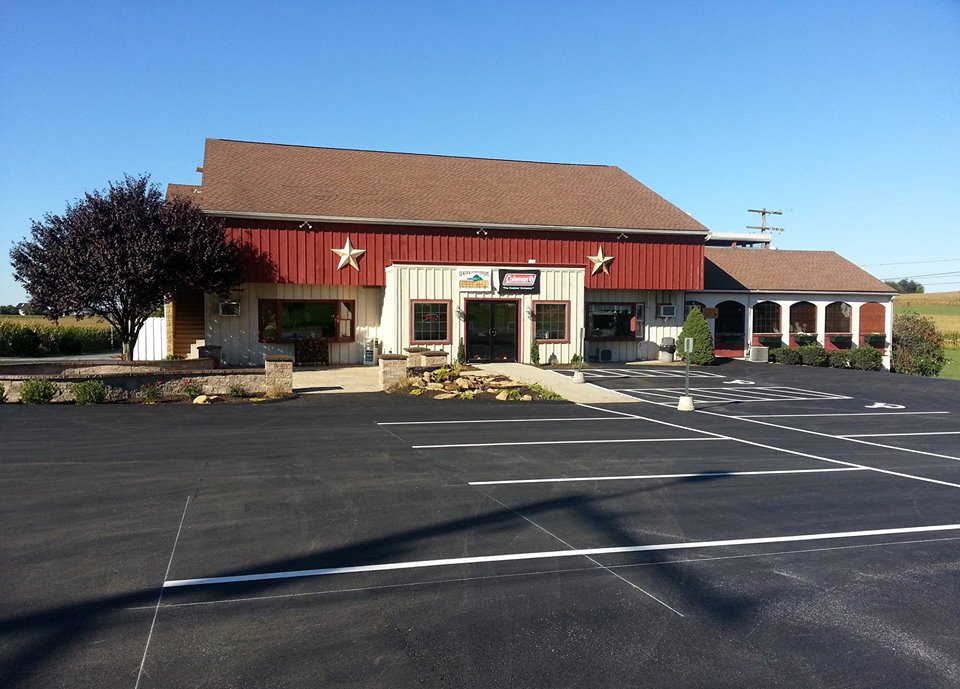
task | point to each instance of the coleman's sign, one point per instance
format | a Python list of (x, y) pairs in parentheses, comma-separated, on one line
[(519, 282)]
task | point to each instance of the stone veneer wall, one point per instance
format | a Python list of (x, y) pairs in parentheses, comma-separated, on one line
[(276, 379)]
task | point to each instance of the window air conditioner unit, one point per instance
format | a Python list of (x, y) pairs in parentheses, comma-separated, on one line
[(760, 354), (229, 308), (605, 354), (666, 310)]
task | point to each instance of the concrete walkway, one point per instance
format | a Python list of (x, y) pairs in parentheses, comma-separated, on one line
[(311, 381), (582, 393)]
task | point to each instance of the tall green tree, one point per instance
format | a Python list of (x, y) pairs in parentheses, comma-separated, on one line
[(120, 253), (696, 326)]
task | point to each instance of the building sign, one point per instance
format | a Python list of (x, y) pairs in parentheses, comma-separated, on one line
[(710, 313), (519, 282), (475, 280)]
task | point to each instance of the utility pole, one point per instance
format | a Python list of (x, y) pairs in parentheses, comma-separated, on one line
[(763, 220)]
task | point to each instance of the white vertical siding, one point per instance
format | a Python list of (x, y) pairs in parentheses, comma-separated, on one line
[(151, 341), (239, 335), (647, 347)]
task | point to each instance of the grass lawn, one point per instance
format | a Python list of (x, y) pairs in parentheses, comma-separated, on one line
[(952, 369)]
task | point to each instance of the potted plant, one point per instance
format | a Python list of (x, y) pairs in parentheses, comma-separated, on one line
[(576, 361), (876, 340), (771, 341), (802, 338), (842, 341)]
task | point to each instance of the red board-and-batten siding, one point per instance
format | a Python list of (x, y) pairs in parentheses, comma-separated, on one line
[(302, 256)]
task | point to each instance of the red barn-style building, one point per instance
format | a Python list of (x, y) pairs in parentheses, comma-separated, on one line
[(349, 246)]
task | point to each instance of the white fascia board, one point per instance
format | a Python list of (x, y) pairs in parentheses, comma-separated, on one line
[(441, 223)]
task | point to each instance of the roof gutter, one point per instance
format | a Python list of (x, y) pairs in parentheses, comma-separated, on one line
[(442, 223)]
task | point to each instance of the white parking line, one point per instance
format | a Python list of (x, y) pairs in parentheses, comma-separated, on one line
[(434, 423), (724, 395), (583, 552), (891, 435), (857, 413), (702, 474), (592, 441)]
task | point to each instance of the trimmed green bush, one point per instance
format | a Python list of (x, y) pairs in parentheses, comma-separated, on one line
[(840, 359), (90, 392), (37, 391), (786, 355), (866, 359), (814, 355), (535, 354), (696, 327), (238, 390), (461, 352), (917, 346)]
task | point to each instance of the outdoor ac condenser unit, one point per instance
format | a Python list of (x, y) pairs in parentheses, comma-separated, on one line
[(605, 355), (761, 354)]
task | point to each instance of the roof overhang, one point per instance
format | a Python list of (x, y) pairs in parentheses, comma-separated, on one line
[(442, 223)]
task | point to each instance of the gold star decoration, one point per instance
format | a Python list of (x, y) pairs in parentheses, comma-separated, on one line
[(348, 255), (600, 262)]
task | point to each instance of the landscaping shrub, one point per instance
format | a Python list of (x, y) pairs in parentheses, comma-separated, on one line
[(151, 392), (461, 352), (786, 355), (917, 346), (37, 391), (576, 361), (814, 355), (90, 392), (696, 327), (535, 354), (840, 359), (191, 388), (866, 359), (237, 390)]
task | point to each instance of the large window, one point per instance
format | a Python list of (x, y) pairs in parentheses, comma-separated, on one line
[(289, 321), (551, 322), (803, 317), (615, 321), (766, 318), (838, 317), (431, 322)]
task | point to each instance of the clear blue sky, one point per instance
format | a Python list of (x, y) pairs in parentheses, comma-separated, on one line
[(845, 115)]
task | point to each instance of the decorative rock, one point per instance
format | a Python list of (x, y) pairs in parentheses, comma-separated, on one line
[(201, 399), (503, 395), (463, 383), (446, 396), (435, 386), (526, 398)]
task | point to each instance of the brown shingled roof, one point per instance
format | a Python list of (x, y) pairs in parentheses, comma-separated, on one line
[(771, 270), (258, 179)]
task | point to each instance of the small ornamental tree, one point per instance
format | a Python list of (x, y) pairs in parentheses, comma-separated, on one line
[(696, 327), (120, 254), (917, 346)]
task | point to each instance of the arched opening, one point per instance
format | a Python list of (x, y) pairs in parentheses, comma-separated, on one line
[(873, 324), (729, 335), (766, 324), (837, 328), (803, 323)]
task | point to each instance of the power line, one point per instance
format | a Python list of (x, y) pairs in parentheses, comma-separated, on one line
[(926, 275), (906, 263)]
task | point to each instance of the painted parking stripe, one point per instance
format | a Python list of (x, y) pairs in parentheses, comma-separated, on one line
[(434, 423), (639, 373), (568, 442), (542, 555), (702, 474), (893, 435), (761, 394), (856, 413)]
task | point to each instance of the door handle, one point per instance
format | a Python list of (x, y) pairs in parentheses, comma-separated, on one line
[(493, 332)]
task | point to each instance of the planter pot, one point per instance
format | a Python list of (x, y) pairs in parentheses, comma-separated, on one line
[(578, 377)]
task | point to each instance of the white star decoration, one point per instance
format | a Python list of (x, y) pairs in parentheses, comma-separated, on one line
[(600, 262), (348, 255)]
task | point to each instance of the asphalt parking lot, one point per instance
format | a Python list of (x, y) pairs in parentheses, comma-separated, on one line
[(800, 529)]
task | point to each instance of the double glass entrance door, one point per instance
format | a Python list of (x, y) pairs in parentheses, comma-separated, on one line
[(492, 333)]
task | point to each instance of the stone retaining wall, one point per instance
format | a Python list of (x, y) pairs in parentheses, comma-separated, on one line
[(275, 379)]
